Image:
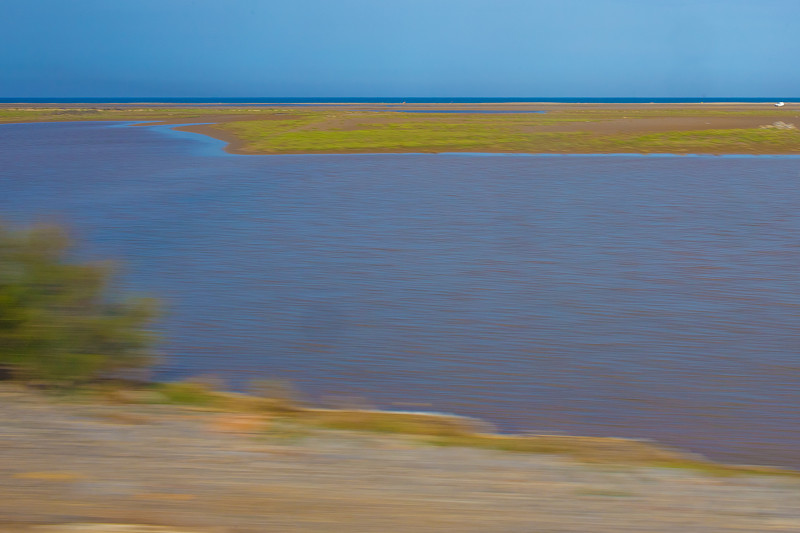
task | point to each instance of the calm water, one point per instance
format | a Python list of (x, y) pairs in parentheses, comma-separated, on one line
[(632, 296)]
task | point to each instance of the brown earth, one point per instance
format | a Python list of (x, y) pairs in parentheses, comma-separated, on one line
[(80, 467)]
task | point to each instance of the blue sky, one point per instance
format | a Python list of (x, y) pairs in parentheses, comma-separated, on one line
[(337, 48)]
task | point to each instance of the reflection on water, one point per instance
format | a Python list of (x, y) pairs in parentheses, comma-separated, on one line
[(624, 296)]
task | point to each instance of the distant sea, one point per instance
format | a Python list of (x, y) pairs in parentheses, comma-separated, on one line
[(389, 100)]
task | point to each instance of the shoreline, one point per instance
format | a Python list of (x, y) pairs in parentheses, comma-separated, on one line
[(125, 467), (716, 128), (440, 429)]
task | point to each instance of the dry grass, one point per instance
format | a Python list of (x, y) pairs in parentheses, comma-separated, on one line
[(569, 129), (290, 421), (388, 422)]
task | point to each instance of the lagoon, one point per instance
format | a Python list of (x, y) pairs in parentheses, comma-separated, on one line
[(633, 296)]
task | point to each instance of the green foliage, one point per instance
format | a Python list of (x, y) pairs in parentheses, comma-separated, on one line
[(366, 132), (194, 393), (345, 129), (58, 323), (380, 132)]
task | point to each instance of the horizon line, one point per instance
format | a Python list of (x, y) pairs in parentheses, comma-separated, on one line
[(773, 97)]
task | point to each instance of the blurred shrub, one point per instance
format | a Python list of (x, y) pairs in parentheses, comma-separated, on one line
[(58, 321)]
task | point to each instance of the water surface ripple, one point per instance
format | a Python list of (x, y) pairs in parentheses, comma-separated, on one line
[(654, 297)]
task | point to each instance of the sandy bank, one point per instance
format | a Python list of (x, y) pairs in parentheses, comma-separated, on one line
[(211, 471)]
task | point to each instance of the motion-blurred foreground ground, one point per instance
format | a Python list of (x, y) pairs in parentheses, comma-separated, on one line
[(129, 468)]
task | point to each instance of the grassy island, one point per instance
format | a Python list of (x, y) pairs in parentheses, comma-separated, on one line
[(743, 128)]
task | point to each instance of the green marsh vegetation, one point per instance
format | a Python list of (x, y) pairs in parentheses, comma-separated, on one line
[(556, 132), (577, 129)]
